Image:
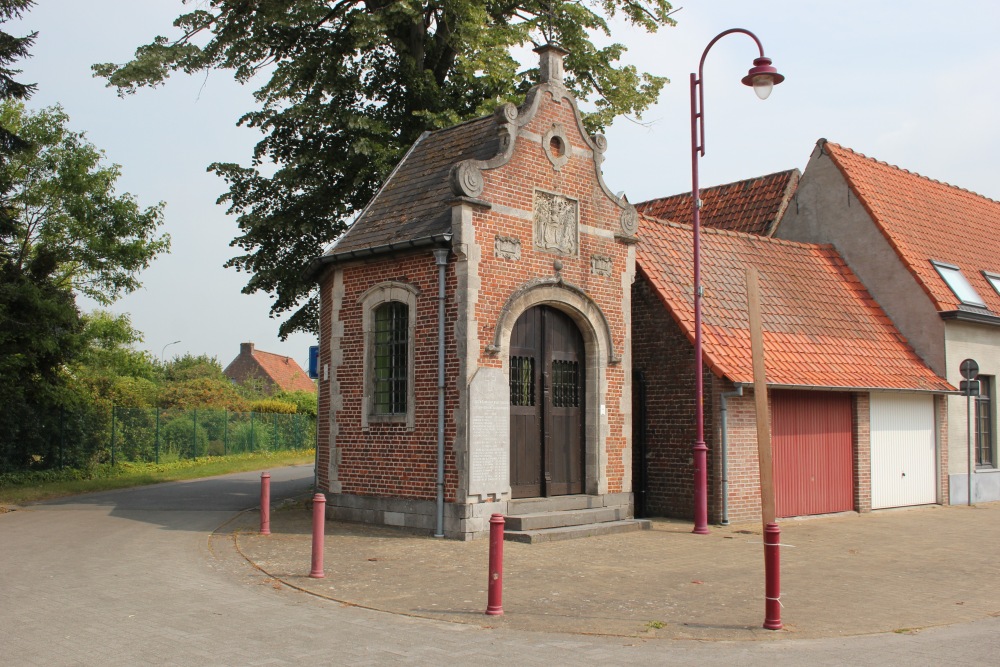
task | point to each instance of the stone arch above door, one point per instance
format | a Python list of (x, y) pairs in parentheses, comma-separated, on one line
[(566, 297), (599, 352)]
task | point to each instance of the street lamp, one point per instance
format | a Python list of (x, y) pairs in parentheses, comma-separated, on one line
[(165, 349), (762, 77)]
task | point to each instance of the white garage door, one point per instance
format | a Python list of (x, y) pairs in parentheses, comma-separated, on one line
[(904, 458)]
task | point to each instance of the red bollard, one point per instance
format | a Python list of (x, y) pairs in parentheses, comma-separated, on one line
[(494, 606), (772, 577), (265, 503), (319, 525)]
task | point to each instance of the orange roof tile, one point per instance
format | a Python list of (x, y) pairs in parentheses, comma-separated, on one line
[(927, 220), (754, 205), (285, 371), (821, 327)]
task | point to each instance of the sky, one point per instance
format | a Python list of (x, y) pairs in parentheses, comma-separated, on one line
[(912, 84)]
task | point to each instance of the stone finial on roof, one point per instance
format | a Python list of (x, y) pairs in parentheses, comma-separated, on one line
[(550, 66)]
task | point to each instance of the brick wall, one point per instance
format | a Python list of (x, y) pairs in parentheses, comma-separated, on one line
[(385, 459), (941, 424), (665, 356), (861, 444), (744, 463)]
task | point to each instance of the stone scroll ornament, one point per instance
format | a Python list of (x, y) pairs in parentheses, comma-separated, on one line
[(556, 226), (629, 220)]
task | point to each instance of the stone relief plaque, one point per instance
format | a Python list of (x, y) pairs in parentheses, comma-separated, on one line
[(556, 222), (489, 433), (507, 247), (601, 265)]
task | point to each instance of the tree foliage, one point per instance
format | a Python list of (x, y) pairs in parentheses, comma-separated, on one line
[(63, 203), (13, 49), (351, 86)]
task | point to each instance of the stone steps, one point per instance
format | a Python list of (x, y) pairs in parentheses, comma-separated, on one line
[(534, 520), (575, 532)]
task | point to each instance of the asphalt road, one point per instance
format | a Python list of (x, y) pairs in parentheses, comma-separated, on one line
[(135, 577)]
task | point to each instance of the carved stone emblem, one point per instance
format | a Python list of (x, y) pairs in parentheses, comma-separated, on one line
[(601, 265), (556, 223), (507, 247)]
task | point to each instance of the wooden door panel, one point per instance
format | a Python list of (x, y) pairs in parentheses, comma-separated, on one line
[(546, 414)]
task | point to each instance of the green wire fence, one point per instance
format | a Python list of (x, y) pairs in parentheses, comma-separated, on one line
[(163, 435)]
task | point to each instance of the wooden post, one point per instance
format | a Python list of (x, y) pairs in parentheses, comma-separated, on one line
[(760, 399), (772, 534)]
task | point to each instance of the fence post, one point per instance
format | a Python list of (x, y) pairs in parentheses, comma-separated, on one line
[(251, 431), (225, 434), (156, 438), (112, 435), (194, 434), (274, 432)]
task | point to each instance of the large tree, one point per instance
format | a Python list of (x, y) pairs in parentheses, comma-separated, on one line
[(62, 200), (350, 84)]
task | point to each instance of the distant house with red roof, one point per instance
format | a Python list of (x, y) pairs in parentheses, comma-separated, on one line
[(833, 357), (274, 371), (929, 253)]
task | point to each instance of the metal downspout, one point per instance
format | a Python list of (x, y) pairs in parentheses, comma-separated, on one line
[(441, 257), (724, 418)]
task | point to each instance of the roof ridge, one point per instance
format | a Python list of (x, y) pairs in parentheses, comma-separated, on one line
[(730, 232), (826, 142), (722, 185)]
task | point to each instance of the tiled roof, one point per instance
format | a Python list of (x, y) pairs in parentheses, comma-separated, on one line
[(754, 206), (412, 203), (285, 371), (821, 327), (928, 220)]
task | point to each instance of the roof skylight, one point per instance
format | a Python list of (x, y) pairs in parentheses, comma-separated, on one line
[(959, 284), (993, 279)]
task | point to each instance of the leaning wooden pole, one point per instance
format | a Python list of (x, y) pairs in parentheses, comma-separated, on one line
[(772, 534)]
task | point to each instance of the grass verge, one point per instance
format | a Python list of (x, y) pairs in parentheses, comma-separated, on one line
[(24, 487)]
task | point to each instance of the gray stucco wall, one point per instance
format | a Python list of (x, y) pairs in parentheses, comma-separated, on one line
[(824, 210)]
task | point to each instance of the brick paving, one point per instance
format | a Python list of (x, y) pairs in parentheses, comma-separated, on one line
[(892, 571), (152, 576)]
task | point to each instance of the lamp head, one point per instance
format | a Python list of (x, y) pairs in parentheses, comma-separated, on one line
[(762, 77)]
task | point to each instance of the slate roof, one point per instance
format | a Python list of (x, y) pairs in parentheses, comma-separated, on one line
[(754, 205), (285, 371), (928, 220), (821, 327), (412, 203)]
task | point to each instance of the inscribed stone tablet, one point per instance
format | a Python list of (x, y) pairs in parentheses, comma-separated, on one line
[(489, 433)]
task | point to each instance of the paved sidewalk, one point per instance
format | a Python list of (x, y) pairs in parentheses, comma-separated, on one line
[(891, 571)]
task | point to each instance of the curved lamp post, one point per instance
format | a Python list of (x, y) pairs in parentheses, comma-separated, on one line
[(762, 77), (165, 349)]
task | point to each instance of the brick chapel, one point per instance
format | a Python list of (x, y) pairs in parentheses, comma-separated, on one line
[(474, 326)]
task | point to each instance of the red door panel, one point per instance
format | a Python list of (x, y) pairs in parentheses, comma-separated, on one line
[(813, 463)]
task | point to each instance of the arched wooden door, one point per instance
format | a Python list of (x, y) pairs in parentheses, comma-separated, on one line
[(546, 405)]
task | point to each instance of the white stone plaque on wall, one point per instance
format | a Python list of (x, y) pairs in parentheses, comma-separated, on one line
[(489, 433)]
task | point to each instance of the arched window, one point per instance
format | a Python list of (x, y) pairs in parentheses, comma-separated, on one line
[(388, 316), (390, 358)]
